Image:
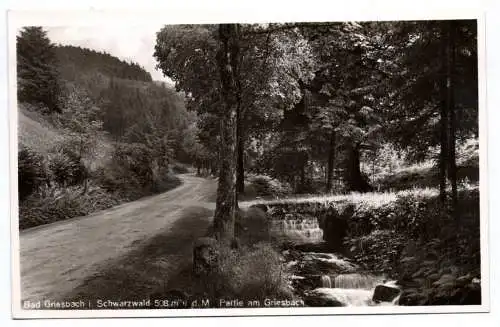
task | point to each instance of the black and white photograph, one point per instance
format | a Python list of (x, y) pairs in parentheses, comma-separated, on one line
[(297, 167)]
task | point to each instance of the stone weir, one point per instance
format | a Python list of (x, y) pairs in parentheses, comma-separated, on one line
[(310, 222)]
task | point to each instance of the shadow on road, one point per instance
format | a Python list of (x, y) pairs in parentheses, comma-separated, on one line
[(148, 268)]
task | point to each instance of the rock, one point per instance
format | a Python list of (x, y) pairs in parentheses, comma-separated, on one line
[(463, 280), (385, 293), (315, 299), (337, 297), (411, 297), (205, 255), (445, 280), (433, 277), (307, 283)]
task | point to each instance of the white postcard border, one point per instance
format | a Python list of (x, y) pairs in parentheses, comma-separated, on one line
[(141, 16)]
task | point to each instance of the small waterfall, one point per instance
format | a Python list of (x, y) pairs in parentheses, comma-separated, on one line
[(350, 288), (326, 281), (357, 281), (303, 229)]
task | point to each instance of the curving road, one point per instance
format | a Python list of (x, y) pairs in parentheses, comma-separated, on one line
[(56, 258)]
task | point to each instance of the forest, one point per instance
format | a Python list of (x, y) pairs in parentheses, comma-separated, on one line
[(386, 109), (345, 155), (302, 100)]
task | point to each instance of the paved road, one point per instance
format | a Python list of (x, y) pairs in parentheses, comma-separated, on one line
[(56, 258)]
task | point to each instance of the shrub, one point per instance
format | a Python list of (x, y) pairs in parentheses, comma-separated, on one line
[(468, 153), (252, 226), (54, 204), (263, 185), (165, 182), (128, 173), (251, 273), (66, 168), (377, 251), (432, 274), (31, 172), (135, 158), (118, 180)]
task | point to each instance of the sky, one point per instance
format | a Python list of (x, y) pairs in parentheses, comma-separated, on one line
[(131, 43)]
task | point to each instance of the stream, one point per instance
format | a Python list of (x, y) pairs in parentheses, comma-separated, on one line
[(321, 278)]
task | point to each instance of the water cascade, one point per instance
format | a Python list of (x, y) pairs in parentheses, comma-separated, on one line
[(304, 229), (326, 281), (357, 281)]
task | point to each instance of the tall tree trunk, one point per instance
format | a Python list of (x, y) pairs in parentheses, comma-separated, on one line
[(450, 99), (228, 57), (240, 135), (443, 127), (355, 179), (331, 163)]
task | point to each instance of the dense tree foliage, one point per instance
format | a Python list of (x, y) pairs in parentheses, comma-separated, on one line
[(267, 82), (433, 68), (349, 88)]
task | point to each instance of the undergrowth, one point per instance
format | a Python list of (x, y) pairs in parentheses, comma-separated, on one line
[(57, 185), (246, 273), (55, 204)]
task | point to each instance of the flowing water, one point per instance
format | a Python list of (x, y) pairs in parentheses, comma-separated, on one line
[(357, 281), (326, 281), (325, 278), (302, 230)]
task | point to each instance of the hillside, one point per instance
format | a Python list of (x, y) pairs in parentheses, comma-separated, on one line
[(35, 131), (112, 137)]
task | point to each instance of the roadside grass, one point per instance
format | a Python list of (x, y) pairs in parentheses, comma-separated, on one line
[(152, 270)]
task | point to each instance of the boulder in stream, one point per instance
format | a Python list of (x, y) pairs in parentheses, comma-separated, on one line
[(385, 293), (337, 297), (320, 299)]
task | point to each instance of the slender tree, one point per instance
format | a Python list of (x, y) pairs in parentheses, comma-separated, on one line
[(228, 60)]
